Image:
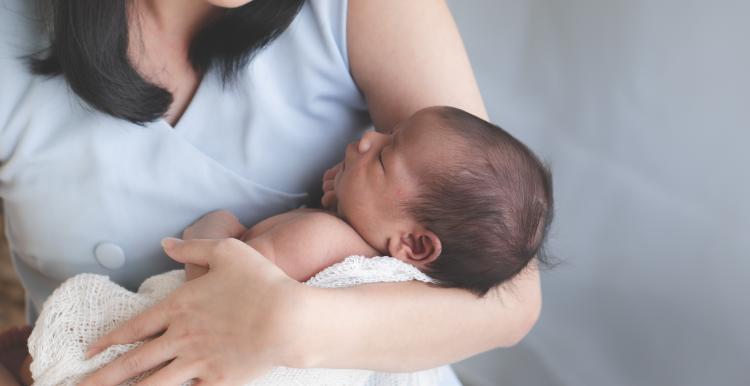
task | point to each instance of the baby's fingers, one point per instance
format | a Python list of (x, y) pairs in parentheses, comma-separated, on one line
[(330, 174), (328, 201)]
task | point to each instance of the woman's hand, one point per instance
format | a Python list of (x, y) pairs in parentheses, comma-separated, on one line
[(219, 224), (328, 201), (227, 327)]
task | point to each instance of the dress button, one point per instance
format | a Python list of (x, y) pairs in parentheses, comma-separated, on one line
[(109, 255)]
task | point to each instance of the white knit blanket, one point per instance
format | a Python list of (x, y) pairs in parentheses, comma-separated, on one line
[(87, 306)]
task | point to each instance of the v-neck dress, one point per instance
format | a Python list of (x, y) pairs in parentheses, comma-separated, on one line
[(85, 192)]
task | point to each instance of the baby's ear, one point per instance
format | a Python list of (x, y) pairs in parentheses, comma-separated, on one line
[(418, 248)]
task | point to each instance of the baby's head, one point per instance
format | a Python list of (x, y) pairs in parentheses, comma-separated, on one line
[(450, 193)]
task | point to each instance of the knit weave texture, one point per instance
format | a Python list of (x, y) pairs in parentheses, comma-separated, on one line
[(87, 306)]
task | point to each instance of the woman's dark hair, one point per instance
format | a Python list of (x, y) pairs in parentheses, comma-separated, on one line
[(89, 47)]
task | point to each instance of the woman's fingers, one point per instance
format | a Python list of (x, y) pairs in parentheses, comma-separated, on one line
[(206, 330), (149, 323), (175, 373), (203, 251), (134, 362)]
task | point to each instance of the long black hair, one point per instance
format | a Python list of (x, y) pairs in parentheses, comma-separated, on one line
[(89, 47)]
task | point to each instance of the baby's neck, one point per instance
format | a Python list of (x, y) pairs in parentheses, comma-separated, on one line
[(378, 251)]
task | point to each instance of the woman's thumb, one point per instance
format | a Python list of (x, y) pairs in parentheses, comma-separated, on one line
[(187, 251)]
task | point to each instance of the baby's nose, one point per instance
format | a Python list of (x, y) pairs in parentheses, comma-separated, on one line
[(367, 139), (364, 145)]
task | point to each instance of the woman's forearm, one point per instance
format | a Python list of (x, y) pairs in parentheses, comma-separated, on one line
[(410, 326)]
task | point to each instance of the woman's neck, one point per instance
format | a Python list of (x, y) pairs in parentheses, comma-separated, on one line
[(175, 19)]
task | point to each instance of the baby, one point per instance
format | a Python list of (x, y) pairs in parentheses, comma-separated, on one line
[(447, 192), (455, 196)]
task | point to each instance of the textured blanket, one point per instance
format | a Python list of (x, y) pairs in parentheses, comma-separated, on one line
[(87, 306)]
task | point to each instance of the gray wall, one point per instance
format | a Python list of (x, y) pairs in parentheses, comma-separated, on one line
[(642, 107)]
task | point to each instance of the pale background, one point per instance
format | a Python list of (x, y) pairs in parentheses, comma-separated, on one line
[(641, 108)]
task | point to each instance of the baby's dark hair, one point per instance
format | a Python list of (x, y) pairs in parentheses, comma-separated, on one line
[(491, 206)]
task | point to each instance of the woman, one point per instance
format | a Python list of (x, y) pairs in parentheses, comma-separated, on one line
[(177, 110)]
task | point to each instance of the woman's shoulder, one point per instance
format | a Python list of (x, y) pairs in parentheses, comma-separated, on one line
[(321, 25), (332, 14), (315, 43)]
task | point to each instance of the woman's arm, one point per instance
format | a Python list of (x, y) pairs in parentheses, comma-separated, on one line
[(220, 339), (411, 326), (406, 55)]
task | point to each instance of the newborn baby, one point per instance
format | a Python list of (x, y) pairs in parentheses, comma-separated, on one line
[(446, 192), (449, 193)]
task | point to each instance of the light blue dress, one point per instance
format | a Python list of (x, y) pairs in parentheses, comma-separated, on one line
[(85, 192)]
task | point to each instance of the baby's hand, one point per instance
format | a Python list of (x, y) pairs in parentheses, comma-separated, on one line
[(218, 224), (329, 201)]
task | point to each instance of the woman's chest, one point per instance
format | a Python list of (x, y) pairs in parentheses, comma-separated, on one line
[(84, 192), (183, 87)]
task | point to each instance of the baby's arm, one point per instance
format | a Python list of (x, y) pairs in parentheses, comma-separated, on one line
[(301, 242), (221, 224), (308, 242)]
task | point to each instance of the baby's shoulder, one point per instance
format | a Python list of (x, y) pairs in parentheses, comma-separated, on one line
[(321, 223), (320, 215), (326, 230)]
